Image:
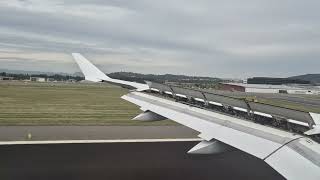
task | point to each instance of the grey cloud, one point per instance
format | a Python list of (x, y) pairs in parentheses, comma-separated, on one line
[(217, 38)]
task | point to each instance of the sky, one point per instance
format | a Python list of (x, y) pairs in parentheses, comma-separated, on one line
[(228, 39)]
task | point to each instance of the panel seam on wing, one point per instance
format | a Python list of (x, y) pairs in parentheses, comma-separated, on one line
[(285, 144)]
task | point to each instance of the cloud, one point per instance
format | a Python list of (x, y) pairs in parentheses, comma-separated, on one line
[(207, 37)]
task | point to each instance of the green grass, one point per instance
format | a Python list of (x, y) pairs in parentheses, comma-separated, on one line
[(287, 104), (290, 105), (66, 104), (78, 104)]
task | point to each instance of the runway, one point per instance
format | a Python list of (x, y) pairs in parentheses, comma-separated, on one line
[(128, 160), (20, 133)]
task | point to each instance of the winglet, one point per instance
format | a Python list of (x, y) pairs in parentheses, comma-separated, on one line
[(92, 73)]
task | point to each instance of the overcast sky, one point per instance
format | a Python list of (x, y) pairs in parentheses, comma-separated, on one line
[(229, 38)]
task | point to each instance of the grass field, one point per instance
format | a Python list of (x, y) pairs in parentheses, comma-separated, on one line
[(287, 104), (290, 105), (31, 103), (66, 104)]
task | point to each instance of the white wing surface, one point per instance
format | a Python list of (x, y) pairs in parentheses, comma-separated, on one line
[(294, 156)]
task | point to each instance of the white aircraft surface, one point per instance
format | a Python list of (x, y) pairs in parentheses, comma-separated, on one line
[(289, 143)]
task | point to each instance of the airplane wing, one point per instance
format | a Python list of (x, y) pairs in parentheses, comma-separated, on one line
[(286, 139), (92, 73)]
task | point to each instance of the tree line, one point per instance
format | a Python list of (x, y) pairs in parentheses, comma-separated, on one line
[(55, 77)]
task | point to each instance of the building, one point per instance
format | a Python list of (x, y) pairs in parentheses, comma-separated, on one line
[(71, 80), (38, 79), (268, 88), (232, 87), (51, 80), (4, 78)]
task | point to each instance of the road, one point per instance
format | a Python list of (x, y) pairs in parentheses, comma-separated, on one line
[(143, 161)]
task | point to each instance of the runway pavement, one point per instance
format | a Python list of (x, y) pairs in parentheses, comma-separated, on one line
[(20, 133), (142, 161)]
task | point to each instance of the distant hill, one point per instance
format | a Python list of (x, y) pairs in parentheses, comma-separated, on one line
[(130, 76), (276, 81), (314, 78)]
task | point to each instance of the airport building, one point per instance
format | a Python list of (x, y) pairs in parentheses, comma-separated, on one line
[(38, 79), (4, 78), (268, 88), (51, 80)]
